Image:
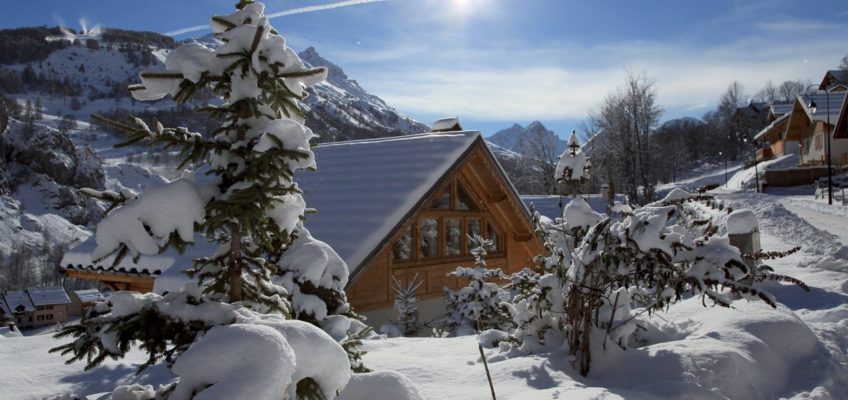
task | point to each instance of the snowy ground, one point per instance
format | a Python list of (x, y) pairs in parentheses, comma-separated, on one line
[(799, 350)]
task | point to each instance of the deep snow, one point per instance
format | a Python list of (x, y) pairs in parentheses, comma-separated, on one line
[(799, 350)]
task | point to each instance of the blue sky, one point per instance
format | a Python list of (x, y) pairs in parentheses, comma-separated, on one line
[(495, 62)]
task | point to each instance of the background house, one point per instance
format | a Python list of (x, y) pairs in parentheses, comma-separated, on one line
[(51, 305), (82, 300)]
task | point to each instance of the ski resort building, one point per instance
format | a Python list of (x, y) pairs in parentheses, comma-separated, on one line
[(394, 207)]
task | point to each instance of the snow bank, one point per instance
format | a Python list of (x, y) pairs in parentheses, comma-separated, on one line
[(316, 354), (380, 385), (235, 362)]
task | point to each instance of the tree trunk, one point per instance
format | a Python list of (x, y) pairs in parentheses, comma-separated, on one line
[(234, 264)]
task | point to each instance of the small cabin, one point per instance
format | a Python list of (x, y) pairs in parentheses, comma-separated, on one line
[(391, 208)]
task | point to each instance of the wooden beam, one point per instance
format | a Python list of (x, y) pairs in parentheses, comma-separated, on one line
[(523, 237), (497, 197)]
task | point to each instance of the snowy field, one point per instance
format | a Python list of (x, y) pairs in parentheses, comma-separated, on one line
[(799, 350)]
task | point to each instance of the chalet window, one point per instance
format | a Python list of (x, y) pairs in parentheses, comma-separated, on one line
[(475, 228), (463, 200), (402, 250), (442, 201), (428, 238), (40, 318), (453, 233), (495, 237), (49, 317), (441, 229), (819, 141), (39, 308)]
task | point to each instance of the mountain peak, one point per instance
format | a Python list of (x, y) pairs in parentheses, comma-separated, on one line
[(516, 138), (311, 56)]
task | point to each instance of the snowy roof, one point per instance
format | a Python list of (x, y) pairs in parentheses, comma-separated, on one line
[(4, 309), (780, 109), (771, 126), (18, 298), (168, 264), (89, 295), (822, 99), (363, 189), (839, 75), (44, 296)]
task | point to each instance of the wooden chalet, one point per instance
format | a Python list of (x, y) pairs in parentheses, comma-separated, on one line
[(835, 80), (395, 207), (772, 137), (811, 129)]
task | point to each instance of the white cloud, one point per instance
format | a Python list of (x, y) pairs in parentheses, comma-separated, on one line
[(564, 80)]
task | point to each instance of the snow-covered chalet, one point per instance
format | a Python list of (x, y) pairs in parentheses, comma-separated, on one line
[(391, 207)]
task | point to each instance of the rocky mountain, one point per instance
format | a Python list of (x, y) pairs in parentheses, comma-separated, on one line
[(41, 210), (517, 138), (340, 109)]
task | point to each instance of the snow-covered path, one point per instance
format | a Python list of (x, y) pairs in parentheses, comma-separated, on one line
[(833, 219)]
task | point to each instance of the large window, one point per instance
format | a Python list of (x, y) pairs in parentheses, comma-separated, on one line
[(428, 238), (440, 230)]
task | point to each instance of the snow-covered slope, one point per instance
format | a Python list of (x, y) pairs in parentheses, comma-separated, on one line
[(340, 109), (39, 203), (98, 68)]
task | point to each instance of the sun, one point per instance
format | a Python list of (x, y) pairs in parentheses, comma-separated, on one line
[(462, 7)]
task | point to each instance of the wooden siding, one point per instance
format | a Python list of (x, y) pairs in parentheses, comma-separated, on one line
[(371, 288)]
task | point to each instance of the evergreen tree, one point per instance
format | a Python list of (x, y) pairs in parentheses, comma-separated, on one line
[(406, 323), (478, 306), (38, 110), (251, 206)]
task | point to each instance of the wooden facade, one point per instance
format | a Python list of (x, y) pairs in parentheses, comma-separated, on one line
[(474, 197)]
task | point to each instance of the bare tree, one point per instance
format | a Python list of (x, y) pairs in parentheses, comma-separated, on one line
[(843, 65), (789, 90), (768, 94), (539, 151), (628, 117)]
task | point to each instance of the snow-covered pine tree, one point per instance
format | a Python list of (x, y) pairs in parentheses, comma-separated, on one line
[(572, 167), (406, 323), (478, 306), (250, 205), (315, 277)]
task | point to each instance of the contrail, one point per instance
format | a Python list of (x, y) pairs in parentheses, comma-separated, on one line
[(293, 11)]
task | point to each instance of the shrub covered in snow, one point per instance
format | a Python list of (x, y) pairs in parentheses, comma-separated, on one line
[(477, 306), (644, 261), (227, 334)]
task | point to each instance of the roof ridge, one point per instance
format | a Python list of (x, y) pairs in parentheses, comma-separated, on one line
[(398, 138)]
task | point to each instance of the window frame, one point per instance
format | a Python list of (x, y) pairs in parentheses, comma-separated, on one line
[(479, 212)]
